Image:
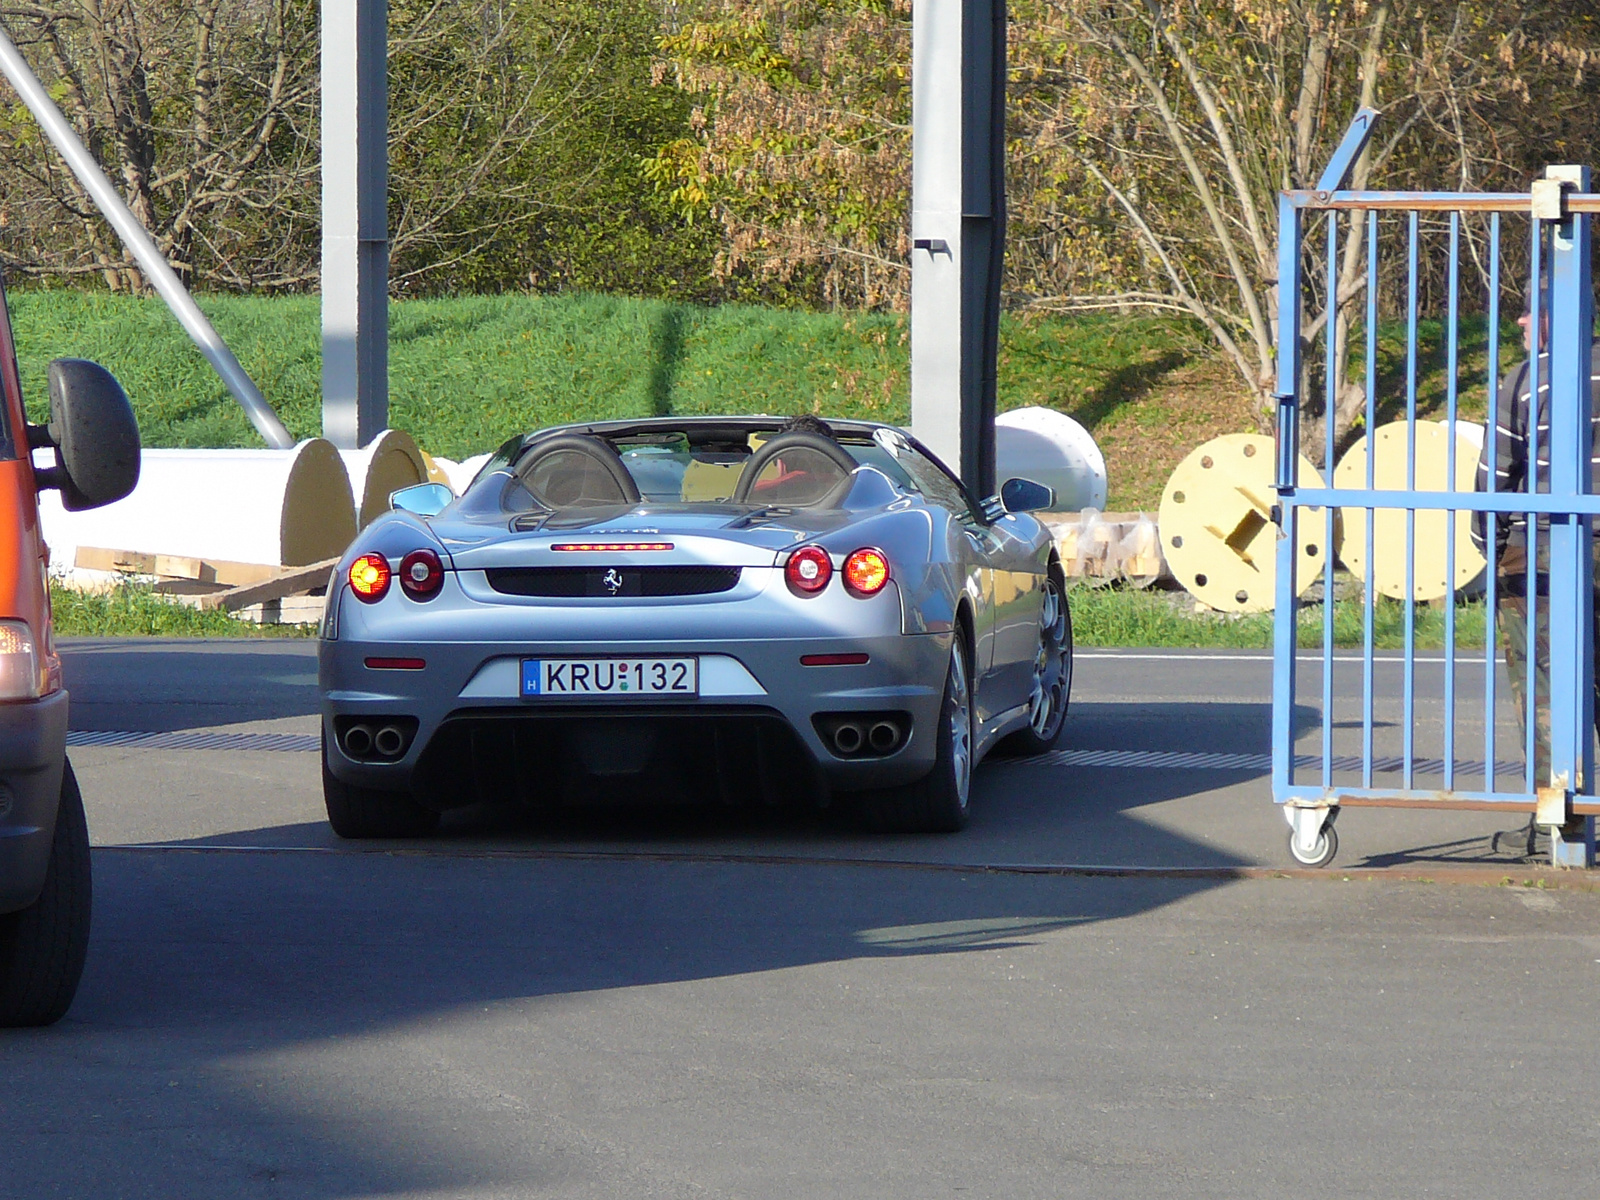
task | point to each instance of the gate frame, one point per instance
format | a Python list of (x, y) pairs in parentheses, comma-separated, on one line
[(1563, 204)]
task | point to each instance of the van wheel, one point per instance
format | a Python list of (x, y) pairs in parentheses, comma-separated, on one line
[(42, 947), (939, 801), (359, 812)]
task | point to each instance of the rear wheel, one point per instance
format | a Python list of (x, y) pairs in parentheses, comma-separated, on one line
[(360, 812), (42, 948), (939, 801), (1052, 673)]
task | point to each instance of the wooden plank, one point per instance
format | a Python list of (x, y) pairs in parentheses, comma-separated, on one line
[(292, 580), (171, 566)]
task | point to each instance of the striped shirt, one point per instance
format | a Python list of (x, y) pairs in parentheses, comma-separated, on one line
[(1512, 443)]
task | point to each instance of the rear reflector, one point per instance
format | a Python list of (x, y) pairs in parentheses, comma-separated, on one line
[(833, 660), (612, 546), (396, 664)]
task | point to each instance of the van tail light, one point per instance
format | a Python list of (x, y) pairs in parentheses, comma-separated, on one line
[(421, 574), (808, 570), (866, 571), (20, 678), (369, 577)]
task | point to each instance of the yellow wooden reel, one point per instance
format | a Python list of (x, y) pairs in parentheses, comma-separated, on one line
[(1217, 529), (1433, 535)]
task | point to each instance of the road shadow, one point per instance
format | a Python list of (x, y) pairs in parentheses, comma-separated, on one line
[(217, 979), (161, 685)]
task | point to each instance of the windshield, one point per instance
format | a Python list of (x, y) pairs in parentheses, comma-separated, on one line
[(687, 467)]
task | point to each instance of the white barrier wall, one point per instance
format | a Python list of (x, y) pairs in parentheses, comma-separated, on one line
[(277, 507)]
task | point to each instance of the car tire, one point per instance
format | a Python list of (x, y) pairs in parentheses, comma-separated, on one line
[(359, 812), (42, 948), (940, 801), (1052, 679)]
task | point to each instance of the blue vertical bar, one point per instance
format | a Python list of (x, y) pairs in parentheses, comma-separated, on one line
[(1535, 352), (1571, 331), (1409, 695), (1491, 431), (1286, 614), (1329, 430), (1368, 514), (1452, 335)]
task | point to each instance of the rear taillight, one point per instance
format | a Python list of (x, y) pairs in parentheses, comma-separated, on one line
[(369, 577), (20, 677), (808, 570), (421, 574), (866, 571)]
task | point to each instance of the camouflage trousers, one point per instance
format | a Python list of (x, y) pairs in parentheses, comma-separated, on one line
[(1512, 614)]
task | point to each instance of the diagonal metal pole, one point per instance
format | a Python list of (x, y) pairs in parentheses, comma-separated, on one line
[(139, 243)]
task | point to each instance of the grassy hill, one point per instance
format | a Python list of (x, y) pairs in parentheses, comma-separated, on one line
[(465, 373)]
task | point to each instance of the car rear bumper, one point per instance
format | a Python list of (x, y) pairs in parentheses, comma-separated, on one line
[(33, 740), (757, 712)]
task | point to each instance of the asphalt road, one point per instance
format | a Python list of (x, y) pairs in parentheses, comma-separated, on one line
[(693, 1004)]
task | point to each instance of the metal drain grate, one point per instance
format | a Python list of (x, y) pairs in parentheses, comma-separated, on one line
[(294, 742), (1157, 760)]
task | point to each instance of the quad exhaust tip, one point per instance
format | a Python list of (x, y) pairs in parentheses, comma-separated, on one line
[(389, 741), (377, 739), (863, 735)]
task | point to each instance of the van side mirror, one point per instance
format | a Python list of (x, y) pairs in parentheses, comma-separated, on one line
[(1024, 495), (95, 436), (423, 499)]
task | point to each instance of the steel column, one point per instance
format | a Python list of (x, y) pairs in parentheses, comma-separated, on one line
[(355, 221), (958, 57), (1571, 563)]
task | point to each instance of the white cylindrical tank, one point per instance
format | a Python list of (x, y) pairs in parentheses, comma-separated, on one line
[(1051, 448), (274, 507), (383, 466)]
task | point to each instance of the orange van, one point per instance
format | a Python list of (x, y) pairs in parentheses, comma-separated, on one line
[(44, 840)]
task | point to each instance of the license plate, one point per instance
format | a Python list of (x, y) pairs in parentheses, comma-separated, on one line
[(610, 677)]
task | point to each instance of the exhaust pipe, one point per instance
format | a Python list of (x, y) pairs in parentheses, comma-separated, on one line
[(847, 738), (358, 741), (389, 741), (883, 737)]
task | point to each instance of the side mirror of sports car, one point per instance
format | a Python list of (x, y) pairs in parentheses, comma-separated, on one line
[(424, 499), (1024, 495)]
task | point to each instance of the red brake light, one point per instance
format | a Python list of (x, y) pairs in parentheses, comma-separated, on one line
[(808, 570), (629, 546), (866, 571), (421, 574), (369, 577)]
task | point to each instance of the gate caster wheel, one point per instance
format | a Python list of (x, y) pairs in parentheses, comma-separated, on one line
[(1327, 846)]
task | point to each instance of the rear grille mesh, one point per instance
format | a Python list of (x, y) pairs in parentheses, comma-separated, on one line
[(612, 581)]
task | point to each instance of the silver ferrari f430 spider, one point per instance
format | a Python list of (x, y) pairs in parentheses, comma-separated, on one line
[(691, 608)]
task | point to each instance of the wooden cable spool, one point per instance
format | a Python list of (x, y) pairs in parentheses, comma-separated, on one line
[(1217, 529), (1432, 536)]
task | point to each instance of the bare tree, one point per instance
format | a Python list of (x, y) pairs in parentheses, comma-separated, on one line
[(199, 109)]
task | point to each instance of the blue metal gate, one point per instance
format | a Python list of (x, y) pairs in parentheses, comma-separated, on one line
[(1320, 763)]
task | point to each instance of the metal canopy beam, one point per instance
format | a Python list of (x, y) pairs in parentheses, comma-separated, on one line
[(958, 220), (355, 221)]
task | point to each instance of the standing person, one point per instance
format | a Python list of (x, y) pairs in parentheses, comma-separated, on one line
[(1512, 438)]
